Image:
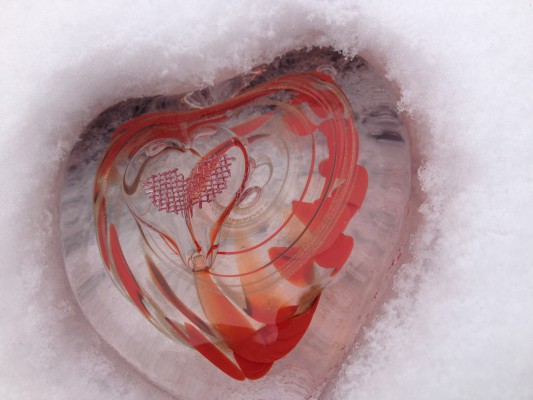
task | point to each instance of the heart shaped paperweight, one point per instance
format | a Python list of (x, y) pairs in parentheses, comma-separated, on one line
[(222, 215)]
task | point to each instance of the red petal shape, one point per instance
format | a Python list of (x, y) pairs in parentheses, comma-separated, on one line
[(305, 211), (336, 255), (359, 188), (275, 341), (285, 313), (252, 370)]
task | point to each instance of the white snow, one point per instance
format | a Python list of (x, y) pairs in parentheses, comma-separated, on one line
[(460, 323)]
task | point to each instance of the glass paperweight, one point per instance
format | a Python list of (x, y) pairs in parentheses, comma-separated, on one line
[(222, 215)]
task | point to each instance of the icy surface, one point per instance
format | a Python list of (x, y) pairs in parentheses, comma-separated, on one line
[(459, 324)]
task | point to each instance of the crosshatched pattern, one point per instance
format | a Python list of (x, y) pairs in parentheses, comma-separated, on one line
[(169, 191)]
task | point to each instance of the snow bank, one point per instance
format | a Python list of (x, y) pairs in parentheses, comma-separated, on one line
[(459, 324)]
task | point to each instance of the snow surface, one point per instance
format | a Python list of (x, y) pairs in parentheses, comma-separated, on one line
[(460, 324)]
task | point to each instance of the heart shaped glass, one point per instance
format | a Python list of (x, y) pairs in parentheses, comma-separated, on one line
[(258, 265), (222, 214)]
